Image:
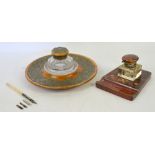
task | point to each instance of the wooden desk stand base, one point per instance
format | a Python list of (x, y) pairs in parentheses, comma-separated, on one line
[(122, 87)]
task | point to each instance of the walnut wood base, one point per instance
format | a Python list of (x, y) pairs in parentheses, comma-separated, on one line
[(122, 87)]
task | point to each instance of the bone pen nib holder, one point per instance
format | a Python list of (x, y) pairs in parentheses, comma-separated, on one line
[(127, 80)]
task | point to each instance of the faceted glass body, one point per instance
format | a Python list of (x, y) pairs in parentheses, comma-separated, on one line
[(130, 73), (61, 67)]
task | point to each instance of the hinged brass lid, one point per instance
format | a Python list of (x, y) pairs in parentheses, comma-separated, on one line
[(130, 60), (60, 53)]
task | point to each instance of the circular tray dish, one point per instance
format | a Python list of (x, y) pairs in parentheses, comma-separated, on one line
[(34, 74)]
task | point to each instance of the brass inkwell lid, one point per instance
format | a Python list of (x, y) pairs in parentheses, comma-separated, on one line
[(61, 70)]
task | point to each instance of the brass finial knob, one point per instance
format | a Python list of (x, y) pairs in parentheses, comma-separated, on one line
[(60, 53), (130, 60)]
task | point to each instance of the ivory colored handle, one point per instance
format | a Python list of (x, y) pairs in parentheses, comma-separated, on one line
[(14, 88)]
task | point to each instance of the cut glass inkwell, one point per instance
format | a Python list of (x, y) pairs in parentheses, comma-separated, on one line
[(130, 70), (127, 80), (60, 63)]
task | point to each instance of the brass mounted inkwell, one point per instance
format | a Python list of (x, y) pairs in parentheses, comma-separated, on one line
[(60, 65), (127, 80), (130, 70)]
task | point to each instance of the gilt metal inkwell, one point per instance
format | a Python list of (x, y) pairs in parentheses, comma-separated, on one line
[(127, 80), (61, 70)]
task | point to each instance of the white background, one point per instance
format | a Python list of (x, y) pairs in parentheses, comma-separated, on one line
[(16, 56), (77, 20), (77, 133)]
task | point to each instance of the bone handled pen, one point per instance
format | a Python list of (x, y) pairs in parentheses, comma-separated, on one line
[(21, 93)]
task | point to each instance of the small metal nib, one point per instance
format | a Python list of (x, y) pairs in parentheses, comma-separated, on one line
[(27, 102), (23, 105), (18, 106), (29, 98)]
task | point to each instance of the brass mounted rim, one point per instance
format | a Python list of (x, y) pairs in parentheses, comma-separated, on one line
[(63, 87)]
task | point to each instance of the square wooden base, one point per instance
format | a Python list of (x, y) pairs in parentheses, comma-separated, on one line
[(122, 87)]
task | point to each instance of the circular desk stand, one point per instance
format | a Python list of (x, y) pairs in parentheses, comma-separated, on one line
[(87, 71)]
